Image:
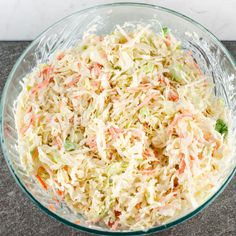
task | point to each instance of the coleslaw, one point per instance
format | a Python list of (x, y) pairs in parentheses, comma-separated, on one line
[(125, 128)]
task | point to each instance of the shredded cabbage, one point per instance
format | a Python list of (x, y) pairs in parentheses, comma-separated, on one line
[(124, 128)]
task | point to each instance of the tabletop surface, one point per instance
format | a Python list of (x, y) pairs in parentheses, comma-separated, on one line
[(19, 216)]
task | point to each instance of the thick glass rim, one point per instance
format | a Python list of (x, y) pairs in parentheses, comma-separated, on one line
[(63, 220)]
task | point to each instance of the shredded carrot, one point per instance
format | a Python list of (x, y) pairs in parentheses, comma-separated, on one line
[(59, 192), (192, 158), (65, 168), (215, 148), (143, 87), (164, 80), (52, 207), (78, 96), (43, 184), (182, 165), (173, 96), (46, 79), (40, 86), (26, 127), (145, 101), (35, 153), (198, 68), (176, 120), (55, 199), (148, 172), (59, 142), (113, 225), (46, 72), (91, 142), (115, 131), (29, 109), (110, 224), (200, 156), (97, 69), (74, 81), (117, 213), (77, 222), (167, 40), (138, 205), (147, 153)]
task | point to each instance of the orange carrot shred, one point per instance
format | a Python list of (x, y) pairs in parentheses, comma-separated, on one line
[(59, 142), (191, 158), (97, 69), (35, 153), (43, 184), (59, 192), (26, 127), (198, 68), (138, 205), (65, 168), (110, 224), (51, 207), (117, 213), (167, 40), (173, 96), (182, 165), (46, 79), (74, 81), (200, 156), (29, 109), (55, 199)]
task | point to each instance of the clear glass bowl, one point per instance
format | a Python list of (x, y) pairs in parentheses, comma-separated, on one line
[(212, 56)]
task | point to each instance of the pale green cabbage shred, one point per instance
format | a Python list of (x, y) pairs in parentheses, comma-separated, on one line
[(122, 128)]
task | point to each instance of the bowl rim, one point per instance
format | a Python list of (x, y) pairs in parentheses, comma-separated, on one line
[(54, 215)]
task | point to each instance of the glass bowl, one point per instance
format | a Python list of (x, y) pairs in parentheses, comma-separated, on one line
[(213, 57)]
